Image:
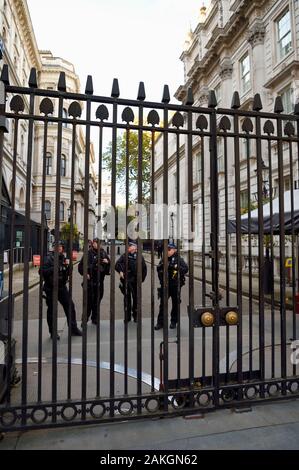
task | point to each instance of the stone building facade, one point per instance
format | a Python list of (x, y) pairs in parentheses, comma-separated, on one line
[(21, 53), (249, 47)]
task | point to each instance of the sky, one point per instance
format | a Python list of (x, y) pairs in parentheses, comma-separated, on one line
[(132, 40)]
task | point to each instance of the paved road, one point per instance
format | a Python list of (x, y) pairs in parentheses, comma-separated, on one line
[(148, 355)]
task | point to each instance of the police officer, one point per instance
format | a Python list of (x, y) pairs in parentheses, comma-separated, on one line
[(98, 266), (176, 265), (130, 301), (63, 293)]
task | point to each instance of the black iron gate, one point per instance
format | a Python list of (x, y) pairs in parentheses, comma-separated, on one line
[(232, 175)]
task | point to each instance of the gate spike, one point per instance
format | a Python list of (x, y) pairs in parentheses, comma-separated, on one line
[(89, 86), (212, 99), (61, 82), (166, 95), (236, 101), (5, 75), (32, 82), (190, 98), (115, 89), (141, 92), (278, 108), (257, 102)]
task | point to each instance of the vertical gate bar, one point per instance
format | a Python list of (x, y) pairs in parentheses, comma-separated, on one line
[(203, 254), (296, 112), (260, 249), (293, 243), (56, 260), (272, 258), (227, 276), (281, 251), (27, 239), (126, 259), (191, 249), (69, 365), (43, 250), (11, 258), (214, 249), (152, 221), (250, 312), (178, 244), (112, 285), (139, 265), (98, 333), (85, 260), (3, 129), (238, 246), (165, 257)]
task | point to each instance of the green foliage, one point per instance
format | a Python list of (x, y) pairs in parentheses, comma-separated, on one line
[(121, 165), (66, 232)]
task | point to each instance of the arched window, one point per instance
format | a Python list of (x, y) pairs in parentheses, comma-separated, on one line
[(61, 212), (22, 148), (63, 165), (48, 210), (65, 116), (48, 164)]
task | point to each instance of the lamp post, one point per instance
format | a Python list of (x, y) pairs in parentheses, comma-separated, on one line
[(266, 185)]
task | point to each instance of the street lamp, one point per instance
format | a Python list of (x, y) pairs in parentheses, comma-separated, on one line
[(266, 185)]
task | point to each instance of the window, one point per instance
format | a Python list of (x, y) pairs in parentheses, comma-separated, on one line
[(218, 93), (48, 210), (61, 212), (65, 116), (246, 142), (245, 73), (22, 148), (284, 37), (244, 200), (220, 156), (198, 168), (63, 166), (287, 100), (48, 164), (175, 185)]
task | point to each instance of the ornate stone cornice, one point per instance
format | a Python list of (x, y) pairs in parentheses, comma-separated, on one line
[(226, 68), (203, 96), (256, 33), (24, 20)]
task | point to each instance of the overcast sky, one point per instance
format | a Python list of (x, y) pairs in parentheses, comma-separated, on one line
[(132, 40)]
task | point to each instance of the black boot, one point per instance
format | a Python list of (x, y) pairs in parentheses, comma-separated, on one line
[(58, 337), (76, 332)]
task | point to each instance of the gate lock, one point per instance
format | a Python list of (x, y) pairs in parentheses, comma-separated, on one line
[(205, 317)]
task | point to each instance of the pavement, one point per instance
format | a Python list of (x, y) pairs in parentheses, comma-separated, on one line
[(273, 425)]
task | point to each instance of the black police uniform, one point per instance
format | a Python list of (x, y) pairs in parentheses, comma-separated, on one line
[(63, 293), (130, 302), (97, 271), (175, 264)]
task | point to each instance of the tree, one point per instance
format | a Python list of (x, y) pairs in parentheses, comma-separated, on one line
[(66, 234), (121, 165)]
